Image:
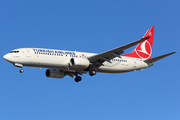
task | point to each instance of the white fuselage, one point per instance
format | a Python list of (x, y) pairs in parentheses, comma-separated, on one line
[(59, 59)]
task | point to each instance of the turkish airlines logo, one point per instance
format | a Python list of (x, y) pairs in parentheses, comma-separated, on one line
[(143, 50)]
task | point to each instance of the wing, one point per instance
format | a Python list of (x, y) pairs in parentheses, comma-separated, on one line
[(97, 60)]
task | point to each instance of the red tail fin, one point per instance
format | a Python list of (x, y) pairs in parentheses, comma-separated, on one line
[(143, 49)]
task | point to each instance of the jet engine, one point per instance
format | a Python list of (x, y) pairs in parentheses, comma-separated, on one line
[(79, 63), (55, 73)]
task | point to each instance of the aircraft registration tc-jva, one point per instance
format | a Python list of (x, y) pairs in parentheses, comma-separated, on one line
[(61, 63)]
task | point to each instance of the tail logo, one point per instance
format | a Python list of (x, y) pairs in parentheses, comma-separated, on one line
[(144, 50)]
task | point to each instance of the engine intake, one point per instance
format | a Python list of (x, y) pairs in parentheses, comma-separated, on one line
[(55, 73), (79, 63)]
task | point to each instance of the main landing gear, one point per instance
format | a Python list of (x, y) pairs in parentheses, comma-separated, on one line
[(92, 72), (78, 78)]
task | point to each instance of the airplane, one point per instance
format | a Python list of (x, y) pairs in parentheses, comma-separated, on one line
[(72, 63)]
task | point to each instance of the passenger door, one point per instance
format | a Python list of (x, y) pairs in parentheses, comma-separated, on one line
[(28, 53)]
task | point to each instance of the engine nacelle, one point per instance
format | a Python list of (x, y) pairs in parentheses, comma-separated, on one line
[(55, 73), (79, 63)]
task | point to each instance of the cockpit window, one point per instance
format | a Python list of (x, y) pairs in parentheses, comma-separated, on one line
[(14, 52)]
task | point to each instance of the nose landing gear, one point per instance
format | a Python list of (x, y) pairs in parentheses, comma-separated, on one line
[(20, 66)]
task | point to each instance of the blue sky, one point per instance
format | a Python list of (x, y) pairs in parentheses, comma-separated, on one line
[(90, 26)]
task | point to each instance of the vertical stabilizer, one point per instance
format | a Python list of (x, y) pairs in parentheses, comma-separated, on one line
[(143, 49)]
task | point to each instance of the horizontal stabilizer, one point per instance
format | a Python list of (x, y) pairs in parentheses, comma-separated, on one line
[(158, 58)]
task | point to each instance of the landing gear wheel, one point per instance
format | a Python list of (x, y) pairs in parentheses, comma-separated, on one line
[(21, 70), (92, 72), (78, 78)]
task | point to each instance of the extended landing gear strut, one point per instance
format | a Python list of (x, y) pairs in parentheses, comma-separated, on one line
[(74, 75), (20, 66), (78, 78)]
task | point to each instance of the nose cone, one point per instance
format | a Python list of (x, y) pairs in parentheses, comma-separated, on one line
[(7, 57)]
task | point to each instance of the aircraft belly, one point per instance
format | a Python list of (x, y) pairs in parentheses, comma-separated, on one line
[(46, 62), (115, 68)]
